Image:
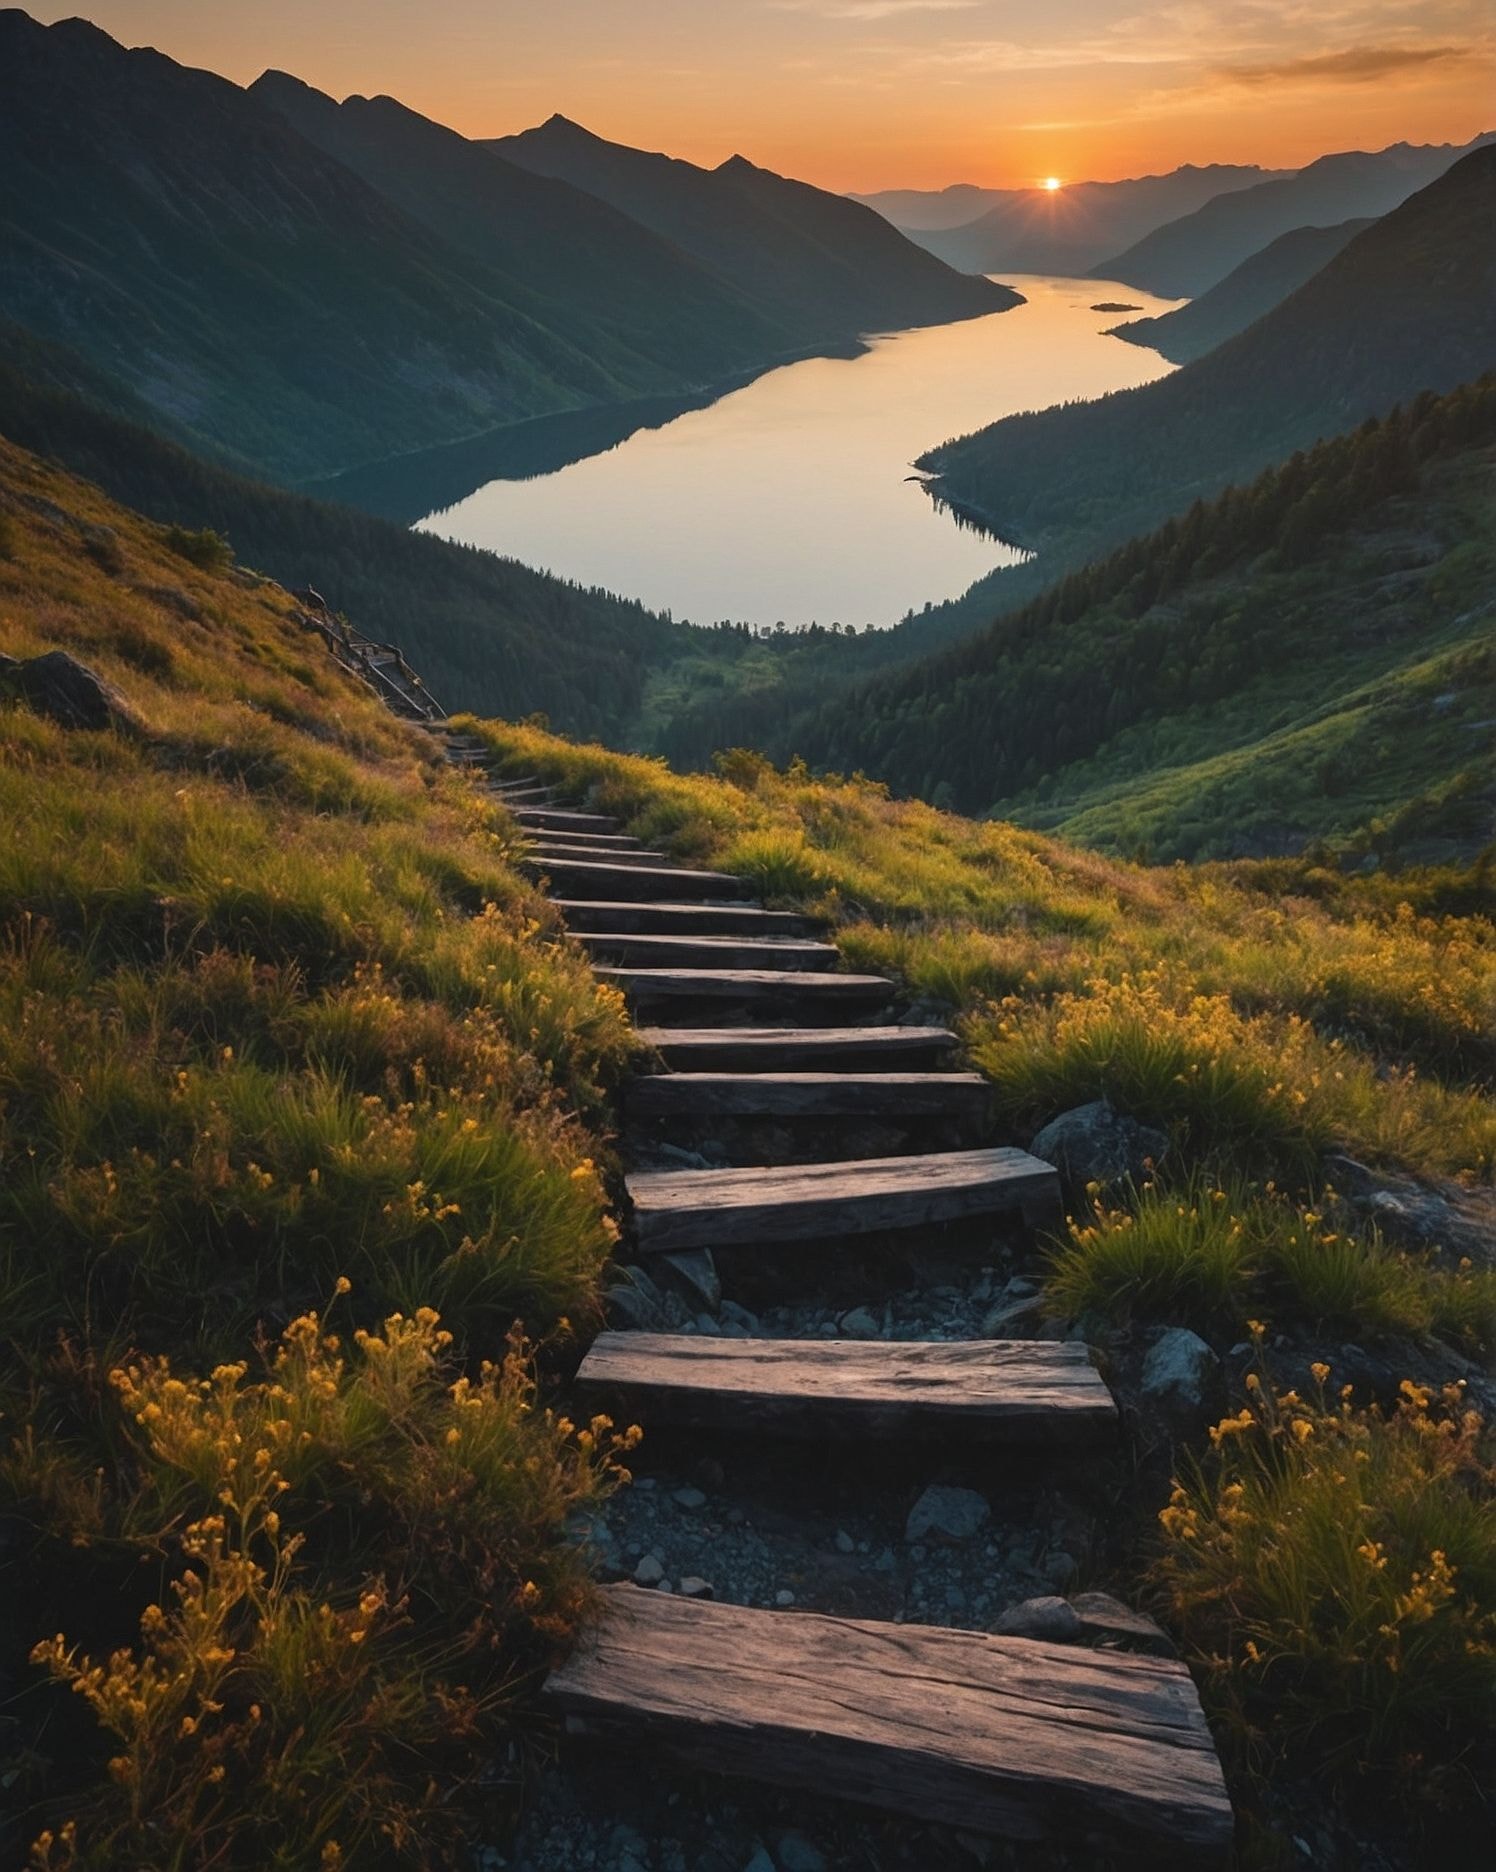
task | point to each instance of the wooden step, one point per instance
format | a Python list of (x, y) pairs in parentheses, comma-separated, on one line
[(794, 1049), (600, 843), (715, 952), (987, 1390), (561, 847), (527, 785), (575, 877), (990, 1735), (683, 919), (808, 1095), (526, 795), (679, 1209), (563, 819), (807, 993)]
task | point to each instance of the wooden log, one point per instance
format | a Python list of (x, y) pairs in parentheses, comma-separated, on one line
[(711, 952), (675, 1209), (575, 877), (599, 842), (805, 991), (808, 1095), (559, 848), (794, 1049), (563, 819), (986, 1390), (992, 1735), (671, 919)]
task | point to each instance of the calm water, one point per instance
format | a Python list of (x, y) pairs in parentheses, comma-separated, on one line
[(791, 498)]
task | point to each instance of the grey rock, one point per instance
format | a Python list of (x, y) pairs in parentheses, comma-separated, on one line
[(650, 1571), (685, 1159), (707, 1326), (845, 1542), (797, 1854), (694, 1273), (1423, 1216), (737, 1315), (1003, 1318), (690, 1498), (694, 1587), (1060, 1568), (1107, 1621), (1094, 1144), (1055, 1620), (859, 1324), (952, 1514), (784, 1597), (70, 693), (635, 1300), (760, 1862), (1179, 1370)]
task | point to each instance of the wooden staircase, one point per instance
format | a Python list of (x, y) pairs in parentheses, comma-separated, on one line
[(750, 1018)]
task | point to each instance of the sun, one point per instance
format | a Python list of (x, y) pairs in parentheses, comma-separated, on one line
[(1052, 184)]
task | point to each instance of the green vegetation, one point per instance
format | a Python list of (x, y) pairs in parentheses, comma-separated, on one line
[(1335, 1584), (1335, 1568), (300, 1108), (1308, 657)]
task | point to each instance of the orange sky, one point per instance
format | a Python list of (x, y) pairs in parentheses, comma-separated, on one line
[(866, 94)]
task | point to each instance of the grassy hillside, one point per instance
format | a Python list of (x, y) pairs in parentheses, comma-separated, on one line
[(1409, 305), (1218, 686), (290, 1066), (487, 629), (1329, 1561)]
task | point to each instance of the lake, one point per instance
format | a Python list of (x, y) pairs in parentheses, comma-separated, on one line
[(792, 499)]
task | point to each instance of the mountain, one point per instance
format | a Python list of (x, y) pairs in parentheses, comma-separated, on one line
[(661, 309), (1255, 287), (1408, 305), (484, 631), (1311, 656), (1069, 230), (1187, 257), (915, 211), (794, 251), (191, 245)]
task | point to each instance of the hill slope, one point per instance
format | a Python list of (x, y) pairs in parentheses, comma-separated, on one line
[(486, 629), (231, 275), (1408, 305), (1308, 657), (793, 250), (1187, 257), (1255, 287), (660, 309), (1071, 229)]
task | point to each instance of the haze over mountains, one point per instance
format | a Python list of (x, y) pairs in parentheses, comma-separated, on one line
[(1068, 230), (1186, 257), (299, 287)]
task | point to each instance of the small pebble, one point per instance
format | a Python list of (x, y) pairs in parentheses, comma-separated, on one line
[(650, 1571), (784, 1597)]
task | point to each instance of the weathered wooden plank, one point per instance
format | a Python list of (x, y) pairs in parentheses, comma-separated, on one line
[(808, 1095), (668, 919), (675, 1209), (793, 1049), (988, 1390), (562, 847), (993, 1735), (525, 796), (744, 987), (577, 876), (714, 952), (599, 842), (563, 819)]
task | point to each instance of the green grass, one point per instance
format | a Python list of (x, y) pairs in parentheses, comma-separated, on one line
[(281, 1031)]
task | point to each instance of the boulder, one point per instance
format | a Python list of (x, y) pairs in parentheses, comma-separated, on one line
[(1179, 1372), (1094, 1144), (1108, 1622), (1421, 1216), (944, 1513), (694, 1273), (68, 692), (1049, 1618)]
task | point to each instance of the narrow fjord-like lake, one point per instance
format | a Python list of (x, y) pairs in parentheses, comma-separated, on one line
[(792, 498)]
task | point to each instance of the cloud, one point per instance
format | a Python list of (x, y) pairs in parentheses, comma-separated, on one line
[(1357, 65), (861, 10)]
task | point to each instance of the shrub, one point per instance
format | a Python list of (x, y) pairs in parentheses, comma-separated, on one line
[(1334, 1570), (363, 1559), (202, 547)]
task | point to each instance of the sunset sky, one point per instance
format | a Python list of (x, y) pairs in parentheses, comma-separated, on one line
[(865, 94)]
